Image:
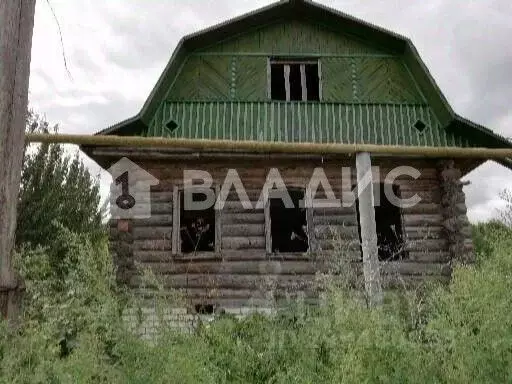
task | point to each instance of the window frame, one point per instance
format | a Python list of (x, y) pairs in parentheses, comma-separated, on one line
[(176, 224), (309, 222), (303, 80)]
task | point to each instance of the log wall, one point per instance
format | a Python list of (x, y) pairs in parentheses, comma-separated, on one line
[(243, 273)]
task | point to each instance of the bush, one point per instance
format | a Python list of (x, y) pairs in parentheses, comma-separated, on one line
[(72, 330)]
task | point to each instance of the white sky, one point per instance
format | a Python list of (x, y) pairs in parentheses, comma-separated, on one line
[(116, 49)]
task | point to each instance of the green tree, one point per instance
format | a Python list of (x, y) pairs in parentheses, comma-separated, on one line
[(56, 190)]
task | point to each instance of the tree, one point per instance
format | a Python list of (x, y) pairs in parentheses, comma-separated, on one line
[(56, 190), (506, 214)]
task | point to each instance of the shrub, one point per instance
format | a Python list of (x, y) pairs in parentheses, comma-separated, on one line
[(73, 333)]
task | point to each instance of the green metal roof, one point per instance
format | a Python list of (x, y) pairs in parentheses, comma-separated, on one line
[(452, 124)]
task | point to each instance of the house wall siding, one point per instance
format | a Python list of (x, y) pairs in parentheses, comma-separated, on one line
[(243, 274)]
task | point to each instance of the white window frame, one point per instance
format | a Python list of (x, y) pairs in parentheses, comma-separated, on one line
[(303, 81)]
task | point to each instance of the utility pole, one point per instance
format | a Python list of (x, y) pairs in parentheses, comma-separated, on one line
[(16, 28), (371, 269)]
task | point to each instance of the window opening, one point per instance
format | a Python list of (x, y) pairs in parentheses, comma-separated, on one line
[(388, 219), (204, 309), (294, 81), (288, 224), (197, 227), (278, 90)]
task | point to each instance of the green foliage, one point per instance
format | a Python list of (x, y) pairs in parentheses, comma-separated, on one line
[(56, 189), (488, 237), (73, 332)]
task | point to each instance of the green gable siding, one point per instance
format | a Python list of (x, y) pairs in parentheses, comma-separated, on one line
[(391, 124), (383, 80), (203, 78), (338, 79), (368, 95), (294, 37), (250, 78), (352, 71)]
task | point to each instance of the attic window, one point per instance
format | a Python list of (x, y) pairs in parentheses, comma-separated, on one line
[(288, 225), (420, 126), (296, 80)]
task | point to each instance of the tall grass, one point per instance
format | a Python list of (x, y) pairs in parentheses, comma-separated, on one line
[(72, 330)]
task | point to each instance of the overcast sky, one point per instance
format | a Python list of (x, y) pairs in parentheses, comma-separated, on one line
[(116, 50)]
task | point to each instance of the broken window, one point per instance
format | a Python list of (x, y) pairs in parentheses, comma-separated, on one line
[(388, 219), (288, 224), (294, 80), (197, 227)]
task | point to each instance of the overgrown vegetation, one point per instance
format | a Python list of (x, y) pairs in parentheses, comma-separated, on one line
[(56, 189), (72, 329)]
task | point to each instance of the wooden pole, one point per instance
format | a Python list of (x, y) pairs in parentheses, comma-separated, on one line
[(263, 147), (16, 26), (368, 225)]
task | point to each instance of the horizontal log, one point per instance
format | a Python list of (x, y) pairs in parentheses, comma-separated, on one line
[(262, 267), (248, 217), (336, 232), (152, 233), (154, 220), (411, 220), (416, 269), (430, 196), (343, 246), (429, 257), (243, 230), (211, 281), (253, 194), (426, 245), (225, 255), (423, 209), (393, 281), (410, 185), (267, 147), (152, 256), (237, 207), (334, 211), (152, 245), (424, 232), (347, 220), (243, 242), (226, 294)]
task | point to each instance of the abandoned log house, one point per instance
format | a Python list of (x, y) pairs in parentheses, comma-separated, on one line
[(292, 72)]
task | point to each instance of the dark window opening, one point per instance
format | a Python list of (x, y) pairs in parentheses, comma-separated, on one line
[(204, 309), (197, 227), (294, 81), (278, 88), (288, 224), (420, 126), (388, 219), (312, 82)]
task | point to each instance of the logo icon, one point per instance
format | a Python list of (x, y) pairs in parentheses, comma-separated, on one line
[(130, 195)]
